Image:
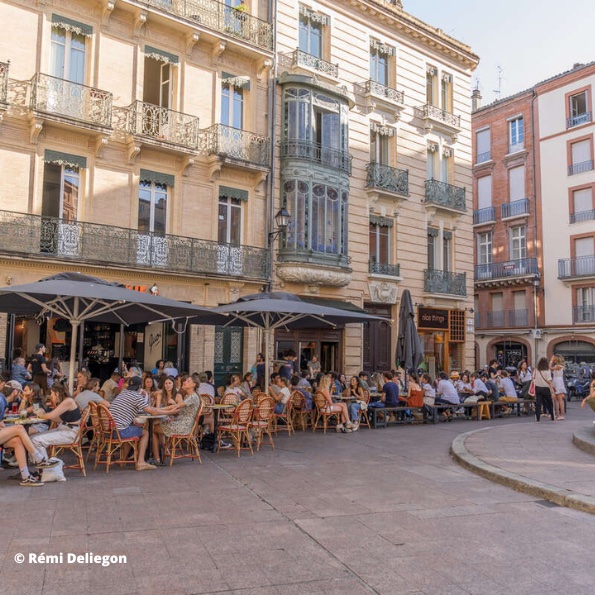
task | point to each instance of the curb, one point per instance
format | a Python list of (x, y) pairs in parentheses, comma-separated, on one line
[(585, 440), (519, 483)]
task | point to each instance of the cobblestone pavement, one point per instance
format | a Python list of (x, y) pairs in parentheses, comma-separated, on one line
[(385, 511)]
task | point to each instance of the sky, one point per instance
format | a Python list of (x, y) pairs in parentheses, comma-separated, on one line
[(530, 40)]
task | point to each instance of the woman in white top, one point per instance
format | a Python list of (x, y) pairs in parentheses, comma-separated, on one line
[(557, 369), (544, 389)]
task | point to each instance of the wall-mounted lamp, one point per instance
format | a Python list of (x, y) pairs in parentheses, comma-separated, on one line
[(282, 220), (470, 310)]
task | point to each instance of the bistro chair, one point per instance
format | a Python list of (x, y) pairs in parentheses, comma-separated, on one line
[(323, 413), (75, 447), (300, 411), (364, 419), (285, 416), (187, 443), (262, 420), (225, 415), (111, 441), (95, 441), (238, 426)]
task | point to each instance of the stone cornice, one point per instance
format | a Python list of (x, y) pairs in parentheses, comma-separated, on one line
[(413, 28)]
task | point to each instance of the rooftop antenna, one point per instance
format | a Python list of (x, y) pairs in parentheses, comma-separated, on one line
[(498, 91)]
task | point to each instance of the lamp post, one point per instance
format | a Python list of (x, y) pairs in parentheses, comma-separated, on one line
[(282, 220), (536, 283)]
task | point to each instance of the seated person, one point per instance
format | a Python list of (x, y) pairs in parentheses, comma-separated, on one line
[(295, 385), (19, 371), (507, 387), (11, 393), (303, 382), (205, 388), (31, 399), (110, 387), (273, 385), (356, 391), (345, 425), (415, 393), (82, 379), (91, 393), (590, 398), (283, 394), (233, 388), (429, 394), (464, 386), (245, 387), (480, 390), (446, 394), (126, 406)]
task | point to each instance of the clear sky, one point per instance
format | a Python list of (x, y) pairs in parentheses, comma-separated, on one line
[(530, 40)]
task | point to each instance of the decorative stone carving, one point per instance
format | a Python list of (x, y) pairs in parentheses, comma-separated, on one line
[(383, 292), (311, 275)]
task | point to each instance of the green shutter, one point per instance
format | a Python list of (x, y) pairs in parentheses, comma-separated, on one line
[(156, 177), (161, 55), (70, 25), (58, 158), (226, 191)]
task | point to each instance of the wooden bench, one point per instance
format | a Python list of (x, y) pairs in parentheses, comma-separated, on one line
[(381, 421), (483, 410)]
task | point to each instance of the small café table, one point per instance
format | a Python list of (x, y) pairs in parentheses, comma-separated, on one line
[(151, 421), (27, 422), (216, 407)]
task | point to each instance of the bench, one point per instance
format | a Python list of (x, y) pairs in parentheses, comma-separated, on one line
[(382, 420), (483, 409)]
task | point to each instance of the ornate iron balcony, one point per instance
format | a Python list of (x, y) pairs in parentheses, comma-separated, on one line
[(162, 124), (226, 141), (387, 178), (581, 216), (301, 58), (487, 215), (503, 270), (381, 268), (581, 266), (495, 319), (579, 168), (45, 237), (518, 318), (445, 282), (578, 120), (222, 18), (583, 314), (380, 90), (515, 208), (304, 149), (60, 97), (483, 157), (436, 113), (445, 195), (3, 81)]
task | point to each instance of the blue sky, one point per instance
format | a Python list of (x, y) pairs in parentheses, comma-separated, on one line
[(531, 40)]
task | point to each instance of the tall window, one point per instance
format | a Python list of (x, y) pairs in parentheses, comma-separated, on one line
[(232, 106), (446, 165), (379, 148), (516, 135), (379, 65), (158, 82), (482, 142), (432, 246), (484, 248), (446, 250), (152, 207), (582, 159), (585, 302), (446, 92), (582, 205), (379, 243), (311, 28), (67, 55), (518, 242), (433, 163), (484, 192), (229, 227), (431, 85), (579, 110), (516, 183)]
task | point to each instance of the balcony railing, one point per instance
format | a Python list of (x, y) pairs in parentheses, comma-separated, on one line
[(45, 237), (234, 143), (304, 149), (495, 319), (162, 124), (301, 58), (579, 168), (436, 113), (502, 270), (222, 18), (380, 90), (578, 120), (581, 266), (445, 282), (518, 318), (60, 97), (483, 157), (487, 215), (581, 216), (381, 268), (3, 81), (583, 314), (516, 147), (445, 195), (387, 178), (515, 208)]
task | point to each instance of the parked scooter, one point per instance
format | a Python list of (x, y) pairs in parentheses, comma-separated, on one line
[(578, 388)]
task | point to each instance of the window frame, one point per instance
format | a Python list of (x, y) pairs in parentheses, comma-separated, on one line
[(228, 93), (521, 239), (376, 253), (485, 247), (570, 116), (67, 54), (516, 134), (307, 25), (153, 187), (231, 206)]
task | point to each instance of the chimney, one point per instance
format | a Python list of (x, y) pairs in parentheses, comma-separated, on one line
[(475, 100)]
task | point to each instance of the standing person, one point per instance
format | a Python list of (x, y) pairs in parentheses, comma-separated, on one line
[(557, 370), (39, 369), (55, 371), (544, 389), (524, 377), (260, 371)]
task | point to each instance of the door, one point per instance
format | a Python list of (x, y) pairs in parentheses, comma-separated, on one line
[(152, 218), (154, 116), (377, 356), (229, 346), (229, 232)]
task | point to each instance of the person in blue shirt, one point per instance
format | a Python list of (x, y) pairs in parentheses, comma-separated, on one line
[(19, 372)]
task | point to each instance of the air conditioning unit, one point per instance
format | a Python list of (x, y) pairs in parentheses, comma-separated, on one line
[(536, 333)]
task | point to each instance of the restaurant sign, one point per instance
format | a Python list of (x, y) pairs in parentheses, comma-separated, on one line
[(432, 319)]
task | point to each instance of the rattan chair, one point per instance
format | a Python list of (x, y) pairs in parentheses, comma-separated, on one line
[(300, 412), (286, 416), (75, 447), (111, 441), (95, 441), (364, 419), (190, 441), (262, 420), (323, 413), (238, 427)]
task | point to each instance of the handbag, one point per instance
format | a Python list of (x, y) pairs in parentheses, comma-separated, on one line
[(531, 391)]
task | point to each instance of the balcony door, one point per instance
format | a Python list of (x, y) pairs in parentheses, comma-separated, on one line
[(229, 234), (157, 99), (584, 249), (152, 221)]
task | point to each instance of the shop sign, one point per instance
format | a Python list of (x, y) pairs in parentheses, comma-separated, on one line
[(141, 288), (432, 319)]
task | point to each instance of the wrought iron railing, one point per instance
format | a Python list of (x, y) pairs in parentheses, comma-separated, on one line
[(516, 147), (445, 282), (222, 18), (487, 215), (387, 178), (383, 268), (583, 314), (578, 120), (580, 266), (436, 113), (64, 98), (445, 195), (495, 319), (518, 318), (379, 90), (301, 58), (510, 268), (226, 141), (3, 81), (162, 124), (477, 319), (581, 216), (579, 168), (46, 237), (304, 149), (515, 208), (483, 157)]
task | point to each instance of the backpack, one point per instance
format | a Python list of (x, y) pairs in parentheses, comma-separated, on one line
[(207, 442)]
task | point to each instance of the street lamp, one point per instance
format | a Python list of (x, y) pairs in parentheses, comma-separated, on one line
[(282, 220)]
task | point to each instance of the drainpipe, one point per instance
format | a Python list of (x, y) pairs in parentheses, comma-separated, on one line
[(537, 277)]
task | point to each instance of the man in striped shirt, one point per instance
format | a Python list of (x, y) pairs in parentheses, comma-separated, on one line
[(126, 406)]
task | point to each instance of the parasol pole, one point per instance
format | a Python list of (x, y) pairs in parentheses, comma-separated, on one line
[(267, 362), (75, 322), (121, 351)]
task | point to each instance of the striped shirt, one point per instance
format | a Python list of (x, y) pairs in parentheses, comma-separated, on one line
[(126, 406)]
